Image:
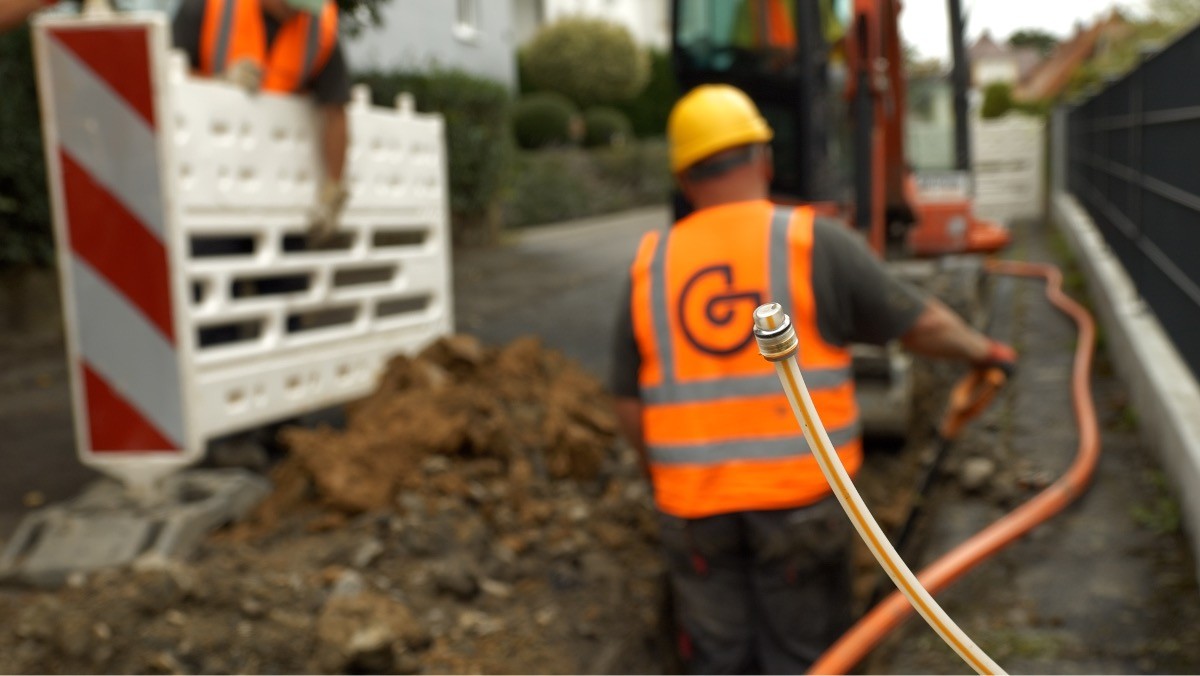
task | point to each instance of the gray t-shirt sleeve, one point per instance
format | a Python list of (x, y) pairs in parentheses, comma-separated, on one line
[(185, 29), (623, 375), (857, 300)]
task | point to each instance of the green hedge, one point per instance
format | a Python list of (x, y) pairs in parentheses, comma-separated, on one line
[(590, 61), (605, 126), (25, 235), (648, 110), (544, 119), (565, 183), (478, 141)]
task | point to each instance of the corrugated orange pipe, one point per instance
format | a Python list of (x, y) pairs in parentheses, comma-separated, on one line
[(868, 632)]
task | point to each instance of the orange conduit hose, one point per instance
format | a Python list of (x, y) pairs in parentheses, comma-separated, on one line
[(869, 631)]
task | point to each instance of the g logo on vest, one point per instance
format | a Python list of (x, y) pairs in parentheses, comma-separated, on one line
[(709, 296)]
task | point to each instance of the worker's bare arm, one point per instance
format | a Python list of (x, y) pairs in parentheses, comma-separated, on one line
[(629, 422), (14, 12), (335, 137), (938, 332)]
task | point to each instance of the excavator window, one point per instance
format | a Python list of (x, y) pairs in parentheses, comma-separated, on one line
[(744, 36)]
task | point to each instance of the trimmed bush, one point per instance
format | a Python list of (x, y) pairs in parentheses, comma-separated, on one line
[(545, 119), (605, 127), (590, 61), (997, 100), (648, 111), (25, 235), (560, 184), (478, 141)]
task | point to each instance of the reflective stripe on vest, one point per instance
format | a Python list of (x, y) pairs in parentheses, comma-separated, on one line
[(718, 429), (234, 30)]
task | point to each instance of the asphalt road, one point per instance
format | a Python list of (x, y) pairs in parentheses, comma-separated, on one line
[(560, 282)]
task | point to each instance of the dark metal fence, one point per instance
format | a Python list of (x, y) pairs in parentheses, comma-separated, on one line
[(1133, 162)]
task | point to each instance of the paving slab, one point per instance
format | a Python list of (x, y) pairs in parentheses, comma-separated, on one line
[(107, 527)]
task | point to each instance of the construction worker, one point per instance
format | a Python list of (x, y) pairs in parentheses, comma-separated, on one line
[(756, 546), (282, 46), (14, 12)]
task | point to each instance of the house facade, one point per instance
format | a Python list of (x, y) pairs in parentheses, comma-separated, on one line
[(477, 36), (648, 20)]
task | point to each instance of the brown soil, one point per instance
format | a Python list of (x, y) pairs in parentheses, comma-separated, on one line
[(476, 515)]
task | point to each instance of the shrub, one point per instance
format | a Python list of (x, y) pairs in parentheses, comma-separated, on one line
[(997, 100), (590, 61), (648, 111), (545, 119), (25, 237), (560, 184), (605, 127), (478, 141)]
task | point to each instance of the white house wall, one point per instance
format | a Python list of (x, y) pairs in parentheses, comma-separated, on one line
[(423, 34)]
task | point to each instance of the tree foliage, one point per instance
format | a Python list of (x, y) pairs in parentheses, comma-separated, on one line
[(1036, 38), (997, 100), (359, 14), (590, 61), (24, 209), (1177, 14)]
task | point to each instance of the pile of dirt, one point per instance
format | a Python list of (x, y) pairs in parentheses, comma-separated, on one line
[(477, 514)]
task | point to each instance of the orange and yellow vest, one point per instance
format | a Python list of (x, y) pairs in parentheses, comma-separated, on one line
[(766, 23), (234, 30), (719, 432)]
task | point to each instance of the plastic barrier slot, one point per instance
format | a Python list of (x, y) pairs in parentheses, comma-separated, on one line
[(398, 306), (301, 243), (210, 246), (399, 237), (249, 287), (314, 320), (228, 333), (359, 277)]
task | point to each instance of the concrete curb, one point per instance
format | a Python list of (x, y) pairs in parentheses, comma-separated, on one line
[(1166, 396)]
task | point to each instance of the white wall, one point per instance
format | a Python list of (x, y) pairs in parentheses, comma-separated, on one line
[(987, 71), (1009, 163), (421, 34)]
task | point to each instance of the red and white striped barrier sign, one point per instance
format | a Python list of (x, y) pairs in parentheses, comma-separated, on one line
[(102, 127)]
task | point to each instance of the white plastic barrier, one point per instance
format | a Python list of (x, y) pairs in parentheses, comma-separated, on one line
[(194, 305)]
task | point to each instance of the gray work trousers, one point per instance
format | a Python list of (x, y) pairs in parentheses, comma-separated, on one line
[(759, 592)]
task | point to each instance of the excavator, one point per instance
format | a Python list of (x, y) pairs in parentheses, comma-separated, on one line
[(828, 75)]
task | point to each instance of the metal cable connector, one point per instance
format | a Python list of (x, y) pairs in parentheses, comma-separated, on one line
[(774, 332)]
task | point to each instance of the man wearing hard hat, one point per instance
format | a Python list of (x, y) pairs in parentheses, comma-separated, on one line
[(282, 46), (756, 546)]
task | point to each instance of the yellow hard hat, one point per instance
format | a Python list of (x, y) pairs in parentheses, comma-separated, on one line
[(712, 118)]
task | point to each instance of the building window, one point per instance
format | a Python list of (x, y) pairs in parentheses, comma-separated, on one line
[(466, 20)]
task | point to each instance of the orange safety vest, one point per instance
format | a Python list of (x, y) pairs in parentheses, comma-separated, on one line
[(773, 24), (234, 30), (718, 429)]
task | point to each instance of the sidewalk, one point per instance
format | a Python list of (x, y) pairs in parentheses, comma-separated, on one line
[(1108, 585)]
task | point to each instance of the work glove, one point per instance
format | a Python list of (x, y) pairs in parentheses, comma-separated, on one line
[(1000, 356), (325, 217), (246, 74)]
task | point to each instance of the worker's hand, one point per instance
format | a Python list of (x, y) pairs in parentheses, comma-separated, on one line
[(246, 74), (325, 218), (1000, 356)]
